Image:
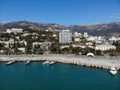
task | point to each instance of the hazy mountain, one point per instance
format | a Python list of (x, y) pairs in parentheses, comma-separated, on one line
[(98, 29), (32, 25), (93, 29)]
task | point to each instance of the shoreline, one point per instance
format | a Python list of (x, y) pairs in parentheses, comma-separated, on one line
[(96, 62)]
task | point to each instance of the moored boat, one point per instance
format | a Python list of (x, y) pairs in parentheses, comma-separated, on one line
[(113, 71), (27, 62), (51, 63), (48, 62), (10, 62)]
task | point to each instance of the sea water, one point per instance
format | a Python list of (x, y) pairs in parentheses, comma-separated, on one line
[(37, 76)]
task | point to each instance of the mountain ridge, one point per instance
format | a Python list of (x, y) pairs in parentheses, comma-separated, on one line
[(93, 29)]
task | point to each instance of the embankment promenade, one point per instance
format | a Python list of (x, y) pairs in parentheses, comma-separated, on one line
[(97, 62)]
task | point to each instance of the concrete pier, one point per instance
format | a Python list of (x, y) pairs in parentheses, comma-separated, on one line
[(95, 62)]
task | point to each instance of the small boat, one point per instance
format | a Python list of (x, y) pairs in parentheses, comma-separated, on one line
[(51, 63), (48, 63), (10, 62), (113, 71), (27, 62)]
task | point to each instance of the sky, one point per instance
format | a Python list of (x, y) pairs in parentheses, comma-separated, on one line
[(65, 12)]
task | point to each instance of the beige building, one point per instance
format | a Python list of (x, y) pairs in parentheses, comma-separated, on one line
[(104, 47)]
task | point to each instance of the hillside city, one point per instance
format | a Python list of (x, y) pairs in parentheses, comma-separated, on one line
[(29, 41)]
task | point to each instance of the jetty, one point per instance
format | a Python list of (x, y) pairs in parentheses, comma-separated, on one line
[(96, 62)]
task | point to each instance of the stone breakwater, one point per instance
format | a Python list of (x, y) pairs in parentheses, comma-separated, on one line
[(97, 62)]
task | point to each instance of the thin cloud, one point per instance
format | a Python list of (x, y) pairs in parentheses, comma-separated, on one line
[(116, 16)]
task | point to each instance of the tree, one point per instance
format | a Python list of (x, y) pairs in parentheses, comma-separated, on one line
[(99, 52), (112, 52), (76, 50), (117, 44), (55, 48)]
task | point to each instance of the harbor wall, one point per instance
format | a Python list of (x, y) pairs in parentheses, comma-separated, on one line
[(95, 62)]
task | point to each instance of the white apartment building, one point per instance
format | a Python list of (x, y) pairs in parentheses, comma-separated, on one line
[(77, 39), (65, 36), (92, 38), (85, 34), (14, 30), (104, 47), (42, 44), (76, 34), (112, 39)]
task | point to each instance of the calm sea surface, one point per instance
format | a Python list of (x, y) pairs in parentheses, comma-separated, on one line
[(36, 76)]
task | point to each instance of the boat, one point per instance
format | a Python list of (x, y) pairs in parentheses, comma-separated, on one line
[(113, 71), (10, 62), (51, 63), (48, 62), (27, 62)]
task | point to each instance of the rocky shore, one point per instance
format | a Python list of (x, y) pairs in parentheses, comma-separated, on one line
[(97, 62)]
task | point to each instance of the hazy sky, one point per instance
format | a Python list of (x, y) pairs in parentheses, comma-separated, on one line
[(64, 12)]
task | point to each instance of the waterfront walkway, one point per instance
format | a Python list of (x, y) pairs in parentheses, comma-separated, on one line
[(97, 62)]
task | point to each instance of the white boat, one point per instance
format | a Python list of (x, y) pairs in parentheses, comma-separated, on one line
[(48, 63), (113, 71), (10, 62), (51, 63), (27, 62)]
